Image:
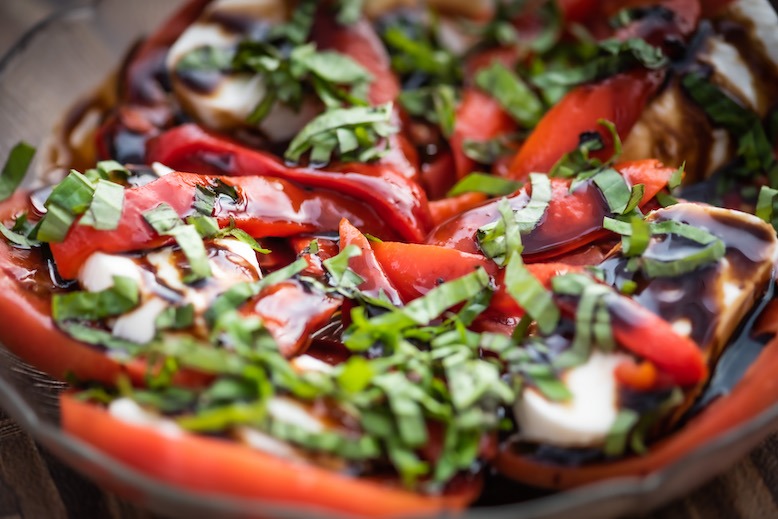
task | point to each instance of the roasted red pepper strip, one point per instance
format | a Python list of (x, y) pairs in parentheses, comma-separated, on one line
[(479, 117), (292, 313), (268, 207), (366, 264), (214, 466), (399, 201), (571, 220), (447, 208), (559, 130)]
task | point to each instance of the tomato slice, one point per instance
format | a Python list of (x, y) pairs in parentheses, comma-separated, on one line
[(267, 207), (222, 467), (397, 199)]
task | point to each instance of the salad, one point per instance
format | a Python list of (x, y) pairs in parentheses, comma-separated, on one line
[(389, 249)]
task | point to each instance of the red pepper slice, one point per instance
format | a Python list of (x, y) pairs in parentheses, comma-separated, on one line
[(571, 220), (220, 467), (479, 117), (291, 314), (367, 265), (398, 200), (268, 207), (558, 131), (447, 208)]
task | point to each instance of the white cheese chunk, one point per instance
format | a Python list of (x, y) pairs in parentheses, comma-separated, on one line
[(266, 443), (243, 251), (731, 71), (99, 269), (139, 325), (291, 412), (586, 419), (130, 412)]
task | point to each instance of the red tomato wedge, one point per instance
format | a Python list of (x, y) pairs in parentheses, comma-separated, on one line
[(219, 467), (366, 265)]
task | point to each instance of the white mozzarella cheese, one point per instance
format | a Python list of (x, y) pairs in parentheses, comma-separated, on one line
[(586, 419), (138, 326), (130, 412), (731, 71), (243, 251), (99, 269), (763, 20), (266, 443), (305, 363), (288, 411)]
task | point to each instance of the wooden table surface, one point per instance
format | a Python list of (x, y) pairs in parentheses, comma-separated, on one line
[(34, 484)]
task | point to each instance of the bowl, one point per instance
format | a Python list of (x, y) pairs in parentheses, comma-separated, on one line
[(64, 59)]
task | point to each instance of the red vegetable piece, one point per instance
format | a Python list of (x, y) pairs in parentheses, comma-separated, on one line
[(559, 130), (366, 265), (292, 313), (226, 468), (571, 220), (399, 201), (268, 207)]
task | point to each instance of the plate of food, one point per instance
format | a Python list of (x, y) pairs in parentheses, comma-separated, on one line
[(392, 258)]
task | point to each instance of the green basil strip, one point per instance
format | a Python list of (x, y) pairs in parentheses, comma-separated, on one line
[(712, 253), (15, 169), (122, 297), (616, 441), (321, 135), (437, 104), (97, 337), (529, 216), (615, 190), (499, 239), (512, 93), (338, 269), (105, 211), (531, 295), (765, 204), (69, 199), (484, 183), (166, 222)]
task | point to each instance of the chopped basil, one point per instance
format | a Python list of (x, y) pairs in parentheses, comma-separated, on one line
[(615, 190), (754, 147), (354, 133), (491, 150), (616, 441), (511, 92), (98, 337), (349, 11), (486, 183), (69, 199), (614, 56), (122, 297), (20, 235), (339, 271), (765, 204), (437, 104), (492, 236), (166, 222), (531, 295), (175, 318), (15, 168), (105, 210), (500, 239), (415, 52)]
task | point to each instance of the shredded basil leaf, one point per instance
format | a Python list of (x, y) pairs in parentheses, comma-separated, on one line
[(15, 169), (122, 297), (105, 210), (486, 183), (354, 133), (512, 93), (166, 222), (531, 295), (437, 104)]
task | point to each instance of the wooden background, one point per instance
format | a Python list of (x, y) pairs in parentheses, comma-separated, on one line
[(34, 484)]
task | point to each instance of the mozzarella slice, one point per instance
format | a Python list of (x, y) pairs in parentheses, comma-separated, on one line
[(138, 326), (99, 269), (586, 419), (243, 253), (130, 412), (291, 412)]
